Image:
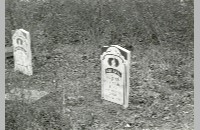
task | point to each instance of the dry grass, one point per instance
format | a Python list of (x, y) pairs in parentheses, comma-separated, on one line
[(66, 49)]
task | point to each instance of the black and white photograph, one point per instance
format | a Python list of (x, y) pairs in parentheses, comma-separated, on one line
[(99, 64)]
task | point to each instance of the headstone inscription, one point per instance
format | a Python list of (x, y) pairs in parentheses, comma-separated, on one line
[(115, 69), (22, 51)]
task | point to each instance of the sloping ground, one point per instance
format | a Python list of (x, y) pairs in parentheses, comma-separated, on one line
[(158, 98)]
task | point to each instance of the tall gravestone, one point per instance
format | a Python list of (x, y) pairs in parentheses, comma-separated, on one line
[(115, 69), (22, 51)]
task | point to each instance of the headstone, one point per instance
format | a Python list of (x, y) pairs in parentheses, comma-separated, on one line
[(115, 69), (22, 51), (28, 96)]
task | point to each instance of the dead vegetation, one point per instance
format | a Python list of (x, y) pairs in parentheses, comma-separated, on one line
[(66, 37)]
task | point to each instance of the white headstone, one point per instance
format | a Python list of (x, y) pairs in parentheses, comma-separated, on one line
[(22, 51), (115, 69)]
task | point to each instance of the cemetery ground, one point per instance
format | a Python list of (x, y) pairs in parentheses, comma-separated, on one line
[(64, 92), (161, 94)]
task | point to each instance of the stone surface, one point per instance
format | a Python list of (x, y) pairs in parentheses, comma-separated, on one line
[(25, 94), (22, 51), (115, 74)]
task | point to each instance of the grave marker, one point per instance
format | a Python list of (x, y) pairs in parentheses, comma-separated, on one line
[(28, 96), (22, 51), (115, 65)]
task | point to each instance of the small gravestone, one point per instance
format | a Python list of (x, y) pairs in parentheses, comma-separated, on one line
[(115, 65), (28, 96), (22, 51)]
